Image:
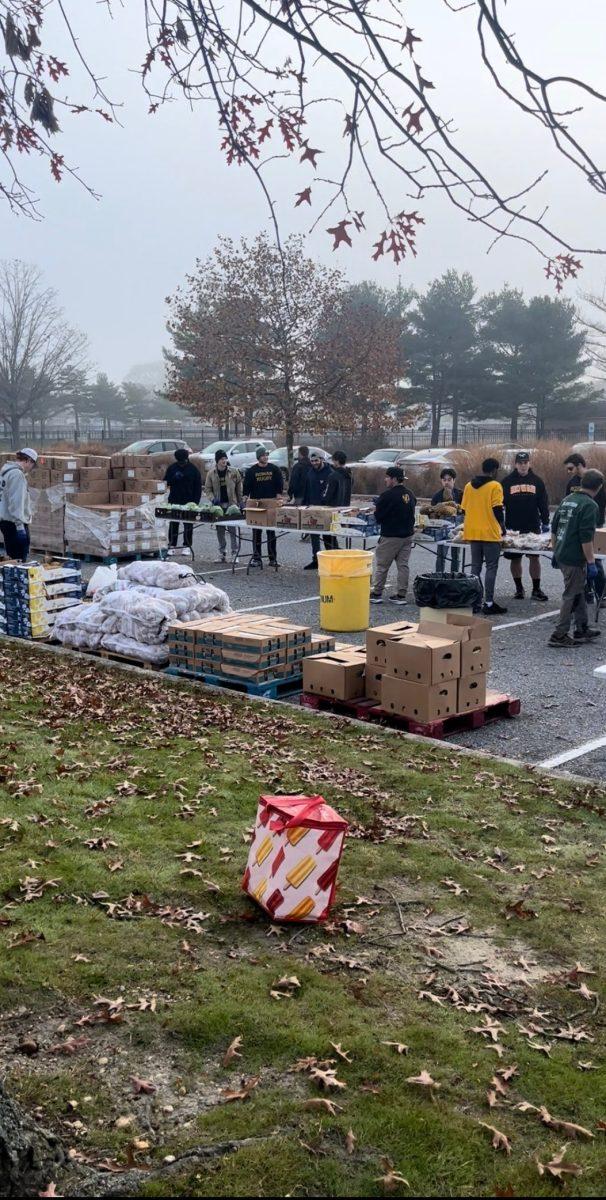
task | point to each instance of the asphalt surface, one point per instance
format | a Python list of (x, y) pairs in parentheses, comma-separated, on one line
[(562, 703)]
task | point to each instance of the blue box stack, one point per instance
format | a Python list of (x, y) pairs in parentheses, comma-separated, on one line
[(34, 593)]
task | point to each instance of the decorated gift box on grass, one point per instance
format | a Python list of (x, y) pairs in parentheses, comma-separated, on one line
[(294, 857)]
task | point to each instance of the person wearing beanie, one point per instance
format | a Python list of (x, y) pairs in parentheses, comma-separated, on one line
[(526, 511), (15, 503), (184, 486), (223, 486), (263, 481)]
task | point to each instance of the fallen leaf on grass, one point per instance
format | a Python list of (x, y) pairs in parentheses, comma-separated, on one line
[(80, 958), (51, 1190), (22, 939), (243, 1093), (557, 1167), (584, 991), (542, 1047), (123, 1122), (232, 1051), (508, 1073), (587, 1066), (326, 1079), (391, 1179), (341, 1053), (423, 1080), (285, 988), (455, 887), (399, 1047), (322, 1105), (517, 910), (489, 1029), (497, 1084), (430, 996), (499, 1140), (142, 1086), (350, 1142), (70, 1047)]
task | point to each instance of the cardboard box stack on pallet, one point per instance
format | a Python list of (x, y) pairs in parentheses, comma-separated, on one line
[(359, 518), (33, 594), (422, 671), (250, 647)]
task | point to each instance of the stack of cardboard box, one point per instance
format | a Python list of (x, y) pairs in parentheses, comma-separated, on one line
[(250, 647), (33, 594), (422, 671), (113, 530), (133, 480)]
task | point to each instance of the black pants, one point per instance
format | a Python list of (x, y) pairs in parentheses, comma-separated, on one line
[(173, 533), (13, 546), (258, 544), (330, 543)]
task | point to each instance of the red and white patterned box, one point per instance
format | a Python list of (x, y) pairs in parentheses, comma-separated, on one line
[(294, 857)]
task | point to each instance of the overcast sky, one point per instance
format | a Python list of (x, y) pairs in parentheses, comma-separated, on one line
[(166, 193)]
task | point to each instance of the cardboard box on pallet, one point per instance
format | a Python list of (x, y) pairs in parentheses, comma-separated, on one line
[(422, 658), (339, 676), (473, 634), (471, 693), (90, 499), (418, 701), (373, 680), (378, 637), (262, 512)]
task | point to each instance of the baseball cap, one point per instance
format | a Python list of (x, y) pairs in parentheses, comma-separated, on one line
[(29, 453), (522, 456)]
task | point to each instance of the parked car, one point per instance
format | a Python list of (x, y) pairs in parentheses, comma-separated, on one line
[(157, 446), (241, 454), (585, 448), (433, 456), (388, 457)]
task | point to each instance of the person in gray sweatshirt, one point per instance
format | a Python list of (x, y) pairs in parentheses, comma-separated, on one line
[(15, 505)]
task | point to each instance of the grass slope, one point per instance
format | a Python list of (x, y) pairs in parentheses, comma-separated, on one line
[(469, 895)]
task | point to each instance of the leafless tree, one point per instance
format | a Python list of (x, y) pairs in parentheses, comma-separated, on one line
[(276, 69), (40, 354)]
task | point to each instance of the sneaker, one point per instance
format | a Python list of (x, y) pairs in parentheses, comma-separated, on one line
[(312, 566), (397, 598), (563, 643), (255, 562), (376, 597), (520, 593), (172, 550), (538, 594), (273, 562), (220, 559), (586, 635), (493, 610), (187, 552)]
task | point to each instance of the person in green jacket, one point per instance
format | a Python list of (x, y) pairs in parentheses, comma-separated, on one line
[(572, 531)]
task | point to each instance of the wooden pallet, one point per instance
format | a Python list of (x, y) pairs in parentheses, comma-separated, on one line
[(272, 688), (498, 706), (109, 559), (129, 660)]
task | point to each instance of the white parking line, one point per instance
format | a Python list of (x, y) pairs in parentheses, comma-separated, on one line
[(280, 604), (528, 621), (568, 755)]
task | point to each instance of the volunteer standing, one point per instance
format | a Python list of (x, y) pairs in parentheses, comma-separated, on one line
[(484, 527), (526, 511), (223, 486), (15, 503), (263, 481), (395, 514), (315, 493), (184, 487), (573, 528)]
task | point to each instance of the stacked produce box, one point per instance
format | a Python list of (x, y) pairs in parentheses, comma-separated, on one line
[(357, 519), (249, 647), (33, 594), (421, 671)]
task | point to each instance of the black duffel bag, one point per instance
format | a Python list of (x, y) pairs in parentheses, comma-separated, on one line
[(447, 591)]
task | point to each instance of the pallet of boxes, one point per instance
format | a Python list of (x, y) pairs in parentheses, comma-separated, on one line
[(33, 594), (250, 652), (112, 513), (419, 673)]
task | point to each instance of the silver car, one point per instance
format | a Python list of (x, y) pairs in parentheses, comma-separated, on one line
[(157, 446), (240, 454)]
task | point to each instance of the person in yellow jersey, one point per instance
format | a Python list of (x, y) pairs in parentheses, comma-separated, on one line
[(483, 528)]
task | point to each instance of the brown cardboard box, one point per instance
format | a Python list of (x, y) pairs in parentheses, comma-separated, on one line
[(374, 677), (89, 499), (116, 486), (321, 644), (340, 676), (316, 517), (40, 477), (262, 512), (90, 475), (378, 637), (423, 658), (288, 517), (599, 541), (71, 476), (64, 462), (133, 499), (416, 700), (471, 692), (99, 460), (474, 635)]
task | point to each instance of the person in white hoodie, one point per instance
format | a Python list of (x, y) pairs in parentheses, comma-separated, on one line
[(15, 505)]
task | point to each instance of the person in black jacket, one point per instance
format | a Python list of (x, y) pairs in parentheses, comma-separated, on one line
[(395, 513), (316, 486), (575, 465), (184, 486), (263, 481), (298, 476), (526, 511), (448, 494), (338, 489)]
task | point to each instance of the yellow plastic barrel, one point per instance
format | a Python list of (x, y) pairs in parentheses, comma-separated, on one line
[(344, 589)]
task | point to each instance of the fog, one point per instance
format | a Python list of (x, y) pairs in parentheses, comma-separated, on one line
[(166, 193)]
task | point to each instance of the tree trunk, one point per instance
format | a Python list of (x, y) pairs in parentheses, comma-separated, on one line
[(455, 418), (15, 432), (29, 1156), (513, 426), (76, 424)]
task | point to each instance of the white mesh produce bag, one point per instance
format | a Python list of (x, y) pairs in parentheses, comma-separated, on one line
[(137, 616), (156, 573), (80, 626), (118, 644)]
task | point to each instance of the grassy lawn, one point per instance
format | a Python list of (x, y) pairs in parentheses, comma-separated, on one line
[(469, 934)]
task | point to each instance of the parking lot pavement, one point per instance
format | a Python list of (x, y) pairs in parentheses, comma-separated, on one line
[(562, 703)]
